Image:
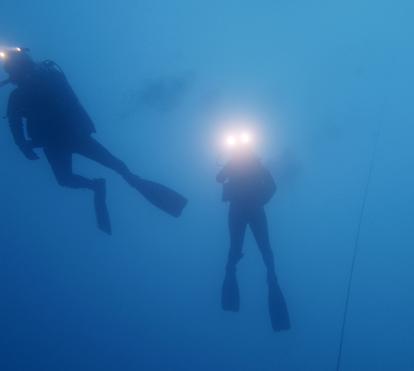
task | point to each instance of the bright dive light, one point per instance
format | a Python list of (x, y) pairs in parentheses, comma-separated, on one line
[(231, 141), (4, 52), (239, 140), (245, 138)]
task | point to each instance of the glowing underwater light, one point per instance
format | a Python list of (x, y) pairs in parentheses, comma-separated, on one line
[(231, 141), (245, 137), (238, 140), (4, 53)]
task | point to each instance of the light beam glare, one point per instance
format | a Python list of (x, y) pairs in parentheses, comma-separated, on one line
[(245, 137), (231, 141)]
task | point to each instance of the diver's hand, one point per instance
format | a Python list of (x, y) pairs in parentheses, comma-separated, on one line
[(29, 153)]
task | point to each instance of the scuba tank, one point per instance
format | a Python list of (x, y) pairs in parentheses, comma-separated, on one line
[(60, 100)]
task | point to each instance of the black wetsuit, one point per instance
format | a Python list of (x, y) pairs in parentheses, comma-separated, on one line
[(248, 185), (58, 123)]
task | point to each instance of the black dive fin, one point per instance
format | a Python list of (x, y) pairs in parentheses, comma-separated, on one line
[(230, 296), (162, 197), (101, 211), (278, 311)]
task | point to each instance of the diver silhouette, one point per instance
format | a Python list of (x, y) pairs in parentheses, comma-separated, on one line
[(248, 186), (44, 112)]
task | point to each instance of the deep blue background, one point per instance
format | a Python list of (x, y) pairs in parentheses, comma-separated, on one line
[(317, 78)]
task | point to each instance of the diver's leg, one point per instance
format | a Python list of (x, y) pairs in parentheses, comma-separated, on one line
[(60, 161), (160, 196), (237, 228), (278, 312), (230, 297), (94, 150), (258, 225)]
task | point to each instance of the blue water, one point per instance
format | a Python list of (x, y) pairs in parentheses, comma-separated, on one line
[(315, 79)]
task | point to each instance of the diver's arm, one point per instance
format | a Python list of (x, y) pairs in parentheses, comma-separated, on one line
[(15, 117), (270, 185), (223, 175), (16, 128)]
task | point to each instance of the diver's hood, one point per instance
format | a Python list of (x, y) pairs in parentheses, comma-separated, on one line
[(16, 63)]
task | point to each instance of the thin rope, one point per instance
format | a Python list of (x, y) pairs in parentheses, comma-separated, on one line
[(357, 240)]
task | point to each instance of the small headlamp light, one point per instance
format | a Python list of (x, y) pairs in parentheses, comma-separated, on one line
[(4, 52)]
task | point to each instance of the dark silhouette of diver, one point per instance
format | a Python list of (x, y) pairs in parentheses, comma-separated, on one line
[(248, 186), (57, 122)]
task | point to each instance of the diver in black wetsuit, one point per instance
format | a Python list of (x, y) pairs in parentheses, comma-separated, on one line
[(57, 122), (248, 186)]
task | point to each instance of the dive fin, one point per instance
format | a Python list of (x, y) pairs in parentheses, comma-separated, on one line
[(161, 196), (101, 211), (230, 296), (279, 315)]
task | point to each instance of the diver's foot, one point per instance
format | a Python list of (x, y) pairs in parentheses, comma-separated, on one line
[(99, 189), (133, 180), (279, 315), (230, 296), (101, 211), (158, 195)]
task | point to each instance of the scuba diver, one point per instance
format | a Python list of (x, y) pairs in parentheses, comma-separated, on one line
[(44, 112), (248, 186)]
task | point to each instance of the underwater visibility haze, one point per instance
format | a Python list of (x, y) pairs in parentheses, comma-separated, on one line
[(292, 118)]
